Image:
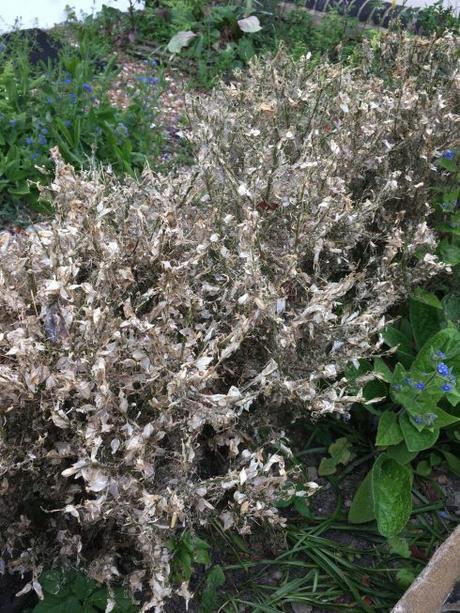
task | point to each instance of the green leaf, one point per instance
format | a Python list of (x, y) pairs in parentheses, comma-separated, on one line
[(444, 419), (425, 321), (393, 337), (99, 598), (451, 304), (453, 462), (340, 450), (53, 581), (391, 487), (302, 507), (362, 506), (327, 466), (423, 468), (399, 546), (82, 586), (422, 295), (400, 453), (70, 604), (124, 602), (449, 253), (448, 341), (201, 551), (381, 368), (415, 440), (388, 431), (405, 577), (214, 581)]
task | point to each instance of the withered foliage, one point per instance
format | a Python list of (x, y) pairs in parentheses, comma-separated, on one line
[(157, 337)]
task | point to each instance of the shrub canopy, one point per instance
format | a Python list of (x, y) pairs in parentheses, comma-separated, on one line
[(157, 337)]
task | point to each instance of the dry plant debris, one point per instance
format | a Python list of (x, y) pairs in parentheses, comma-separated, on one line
[(157, 337)]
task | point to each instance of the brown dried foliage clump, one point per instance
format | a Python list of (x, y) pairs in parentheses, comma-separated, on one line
[(156, 337)]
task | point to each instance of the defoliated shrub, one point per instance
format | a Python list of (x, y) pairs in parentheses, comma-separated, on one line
[(157, 337)]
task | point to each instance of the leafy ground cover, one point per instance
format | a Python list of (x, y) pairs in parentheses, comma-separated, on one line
[(382, 470), (66, 104)]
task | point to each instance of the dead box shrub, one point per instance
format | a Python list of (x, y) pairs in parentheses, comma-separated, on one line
[(156, 338)]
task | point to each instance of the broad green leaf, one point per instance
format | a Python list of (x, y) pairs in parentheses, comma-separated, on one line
[(82, 586), (401, 453), (444, 419), (449, 252), (453, 462), (70, 604), (451, 304), (201, 551), (53, 581), (448, 341), (393, 337), (388, 431), (453, 397), (425, 319), (381, 368), (302, 507), (124, 602), (99, 598), (422, 295), (415, 440), (375, 389), (362, 506), (391, 487), (214, 581), (340, 450), (327, 466)]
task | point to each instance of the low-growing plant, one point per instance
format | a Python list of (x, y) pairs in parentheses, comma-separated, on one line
[(67, 105), (157, 336), (74, 592), (417, 419)]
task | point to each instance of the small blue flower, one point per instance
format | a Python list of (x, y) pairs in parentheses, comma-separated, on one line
[(42, 140), (153, 63), (49, 100), (13, 123), (420, 385), (67, 81), (44, 130), (443, 514), (29, 140), (122, 130), (73, 98), (148, 80), (2, 47), (407, 381), (87, 87), (446, 387), (443, 369), (449, 154), (418, 420), (441, 354), (34, 156)]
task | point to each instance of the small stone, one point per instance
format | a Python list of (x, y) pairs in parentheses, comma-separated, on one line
[(299, 607)]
